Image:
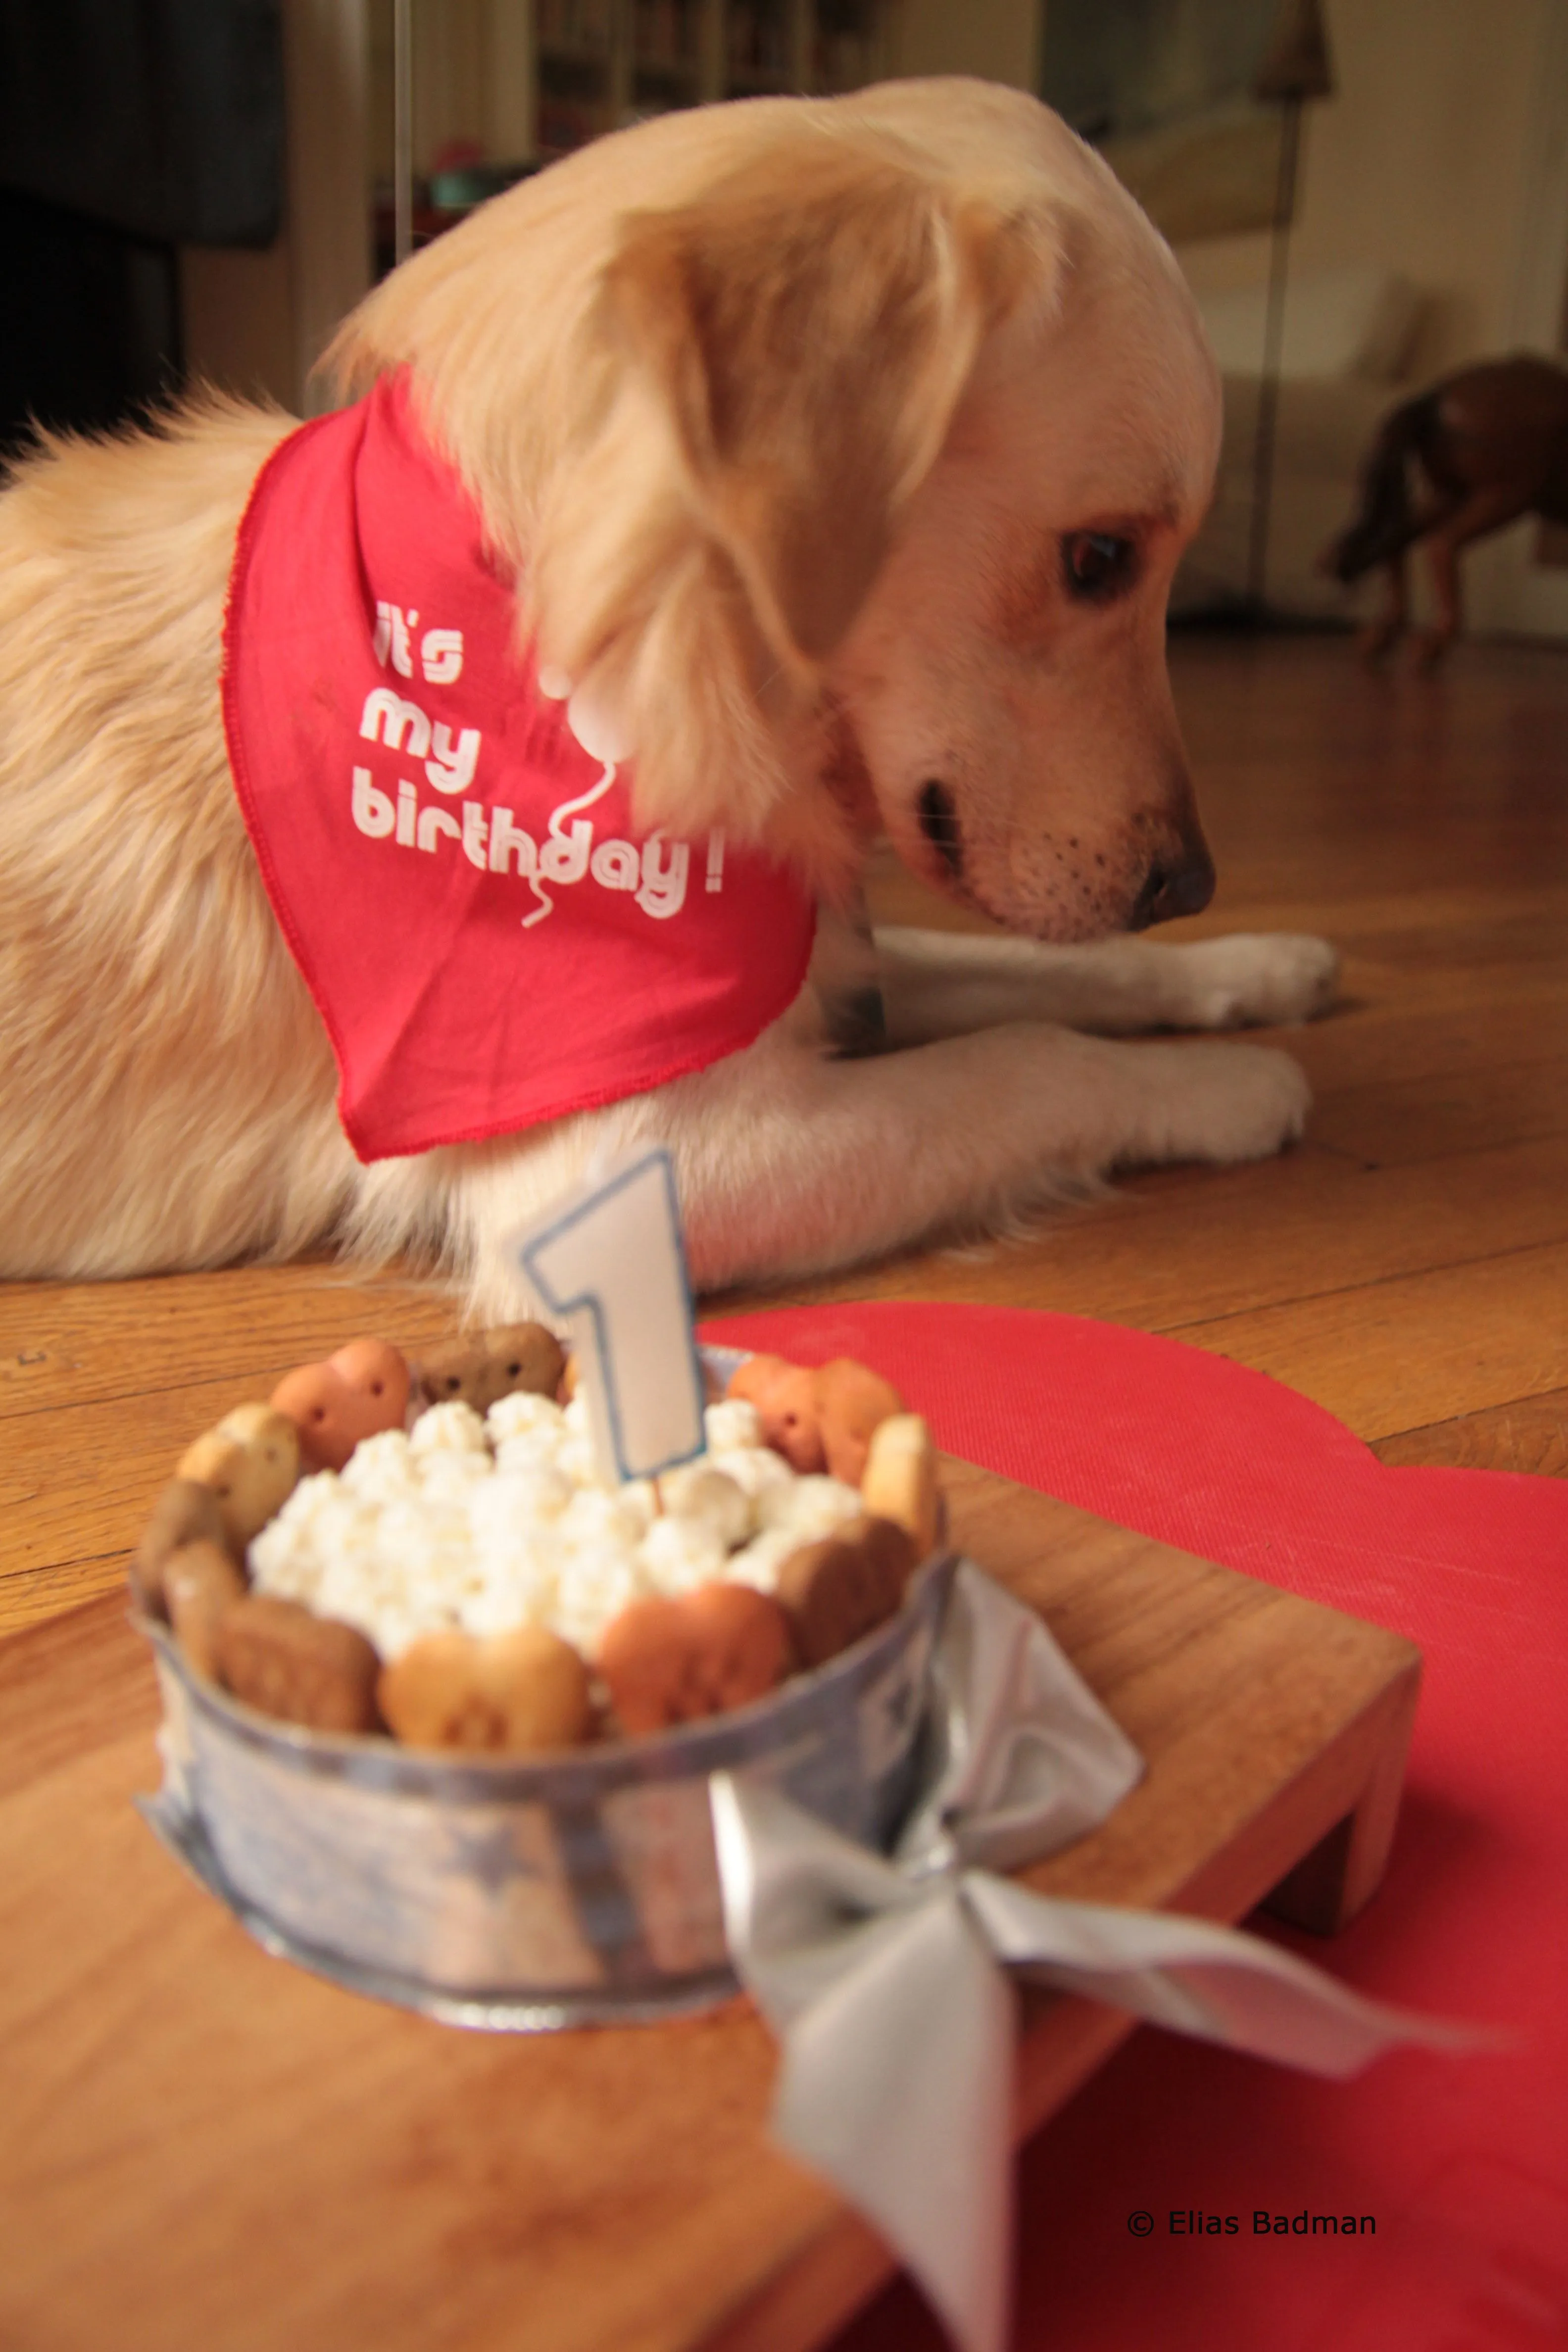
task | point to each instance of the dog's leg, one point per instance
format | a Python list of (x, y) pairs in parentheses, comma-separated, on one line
[(948, 983), (790, 1163), (1373, 641), (1485, 510)]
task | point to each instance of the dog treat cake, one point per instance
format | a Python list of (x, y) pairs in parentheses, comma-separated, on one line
[(423, 1551)]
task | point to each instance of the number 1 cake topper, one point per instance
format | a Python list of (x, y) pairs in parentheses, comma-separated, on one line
[(608, 1261)]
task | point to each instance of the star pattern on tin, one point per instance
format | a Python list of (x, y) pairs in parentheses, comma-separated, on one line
[(489, 1855)]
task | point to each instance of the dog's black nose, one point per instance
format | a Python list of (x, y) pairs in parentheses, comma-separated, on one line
[(938, 823), (1172, 888)]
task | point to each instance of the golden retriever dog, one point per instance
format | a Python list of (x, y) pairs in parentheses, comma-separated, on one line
[(841, 451)]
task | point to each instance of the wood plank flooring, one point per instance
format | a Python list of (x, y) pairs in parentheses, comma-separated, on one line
[(1406, 1266)]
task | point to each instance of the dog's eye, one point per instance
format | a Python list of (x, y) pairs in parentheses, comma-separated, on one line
[(1097, 565)]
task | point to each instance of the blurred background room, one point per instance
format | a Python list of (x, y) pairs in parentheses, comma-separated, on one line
[(200, 189)]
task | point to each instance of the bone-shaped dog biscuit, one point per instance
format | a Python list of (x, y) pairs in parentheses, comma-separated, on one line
[(200, 1583), (819, 1419), (355, 1393), (678, 1661), (251, 1462), (284, 1660), (185, 1512), (838, 1588), (519, 1692), (852, 1402), (900, 1479), (784, 1396), (516, 1357)]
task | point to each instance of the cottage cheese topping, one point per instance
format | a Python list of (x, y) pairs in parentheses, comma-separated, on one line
[(490, 1524)]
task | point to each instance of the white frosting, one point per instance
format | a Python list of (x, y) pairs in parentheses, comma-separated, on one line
[(805, 1508), (752, 1468), (733, 1423), (449, 1429), (519, 1415), (489, 1524), (680, 1554), (700, 1491)]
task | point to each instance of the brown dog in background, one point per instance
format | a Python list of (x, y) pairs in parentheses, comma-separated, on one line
[(845, 452), (1490, 443)]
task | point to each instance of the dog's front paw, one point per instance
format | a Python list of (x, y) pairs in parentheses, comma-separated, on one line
[(1260, 1103), (1260, 979), (1222, 1103)]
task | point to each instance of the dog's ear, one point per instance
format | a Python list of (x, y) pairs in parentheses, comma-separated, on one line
[(808, 325)]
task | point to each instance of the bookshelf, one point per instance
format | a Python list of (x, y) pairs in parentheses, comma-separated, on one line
[(604, 63), (500, 86)]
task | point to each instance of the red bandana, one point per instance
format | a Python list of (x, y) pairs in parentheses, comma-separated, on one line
[(446, 841)]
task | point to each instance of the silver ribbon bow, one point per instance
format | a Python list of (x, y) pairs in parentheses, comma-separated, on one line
[(881, 1977)]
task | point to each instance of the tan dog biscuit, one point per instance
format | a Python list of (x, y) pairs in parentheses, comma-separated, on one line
[(264, 1426), (281, 1659), (355, 1393), (251, 1462), (519, 1692), (746, 1645), (200, 1582), (900, 1479), (454, 1374), (377, 1369), (514, 1358), (185, 1512), (838, 1588), (540, 1688), (666, 1662), (852, 1401), (785, 1399), (644, 1664), (819, 1419), (429, 1694)]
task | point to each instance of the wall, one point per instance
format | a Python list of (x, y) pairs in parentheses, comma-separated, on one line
[(998, 39), (1418, 163), (257, 322), (472, 71)]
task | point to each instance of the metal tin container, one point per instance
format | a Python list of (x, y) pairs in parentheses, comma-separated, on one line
[(520, 1896)]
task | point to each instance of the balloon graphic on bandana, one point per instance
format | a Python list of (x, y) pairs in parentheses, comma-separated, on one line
[(592, 725), (595, 731)]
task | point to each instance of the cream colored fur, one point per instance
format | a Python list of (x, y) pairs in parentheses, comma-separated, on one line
[(781, 411)]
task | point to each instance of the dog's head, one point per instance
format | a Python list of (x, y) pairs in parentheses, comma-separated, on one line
[(846, 451)]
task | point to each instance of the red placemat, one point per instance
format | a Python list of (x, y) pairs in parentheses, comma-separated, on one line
[(1462, 2164)]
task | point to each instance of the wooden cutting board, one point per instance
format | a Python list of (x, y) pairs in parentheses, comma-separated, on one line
[(202, 2145)]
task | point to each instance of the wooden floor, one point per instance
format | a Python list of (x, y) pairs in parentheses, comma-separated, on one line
[(1406, 1266)]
